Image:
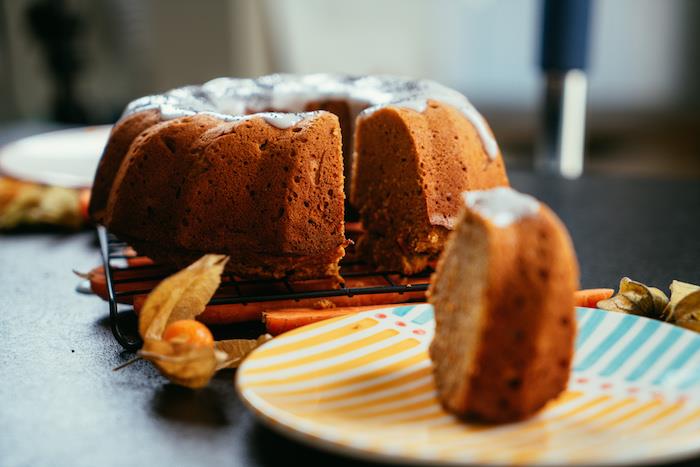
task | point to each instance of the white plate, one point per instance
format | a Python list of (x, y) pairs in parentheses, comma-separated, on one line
[(66, 158), (362, 385)]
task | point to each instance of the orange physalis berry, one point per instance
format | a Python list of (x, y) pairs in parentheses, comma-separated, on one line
[(188, 331)]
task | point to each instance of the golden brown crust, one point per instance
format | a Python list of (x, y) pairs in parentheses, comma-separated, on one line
[(256, 192), (250, 265), (270, 198), (409, 169), (524, 343), (123, 134), (144, 202), (282, 193)]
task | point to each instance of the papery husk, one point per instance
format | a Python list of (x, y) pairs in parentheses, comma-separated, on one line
[(660, 301), (238, 349), (182, 364), (684, 307), (636, 298), (679, 290), (184, 295), (25, 203)]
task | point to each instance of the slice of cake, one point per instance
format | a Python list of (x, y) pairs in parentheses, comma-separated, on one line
[(503, 294), (410, 167)]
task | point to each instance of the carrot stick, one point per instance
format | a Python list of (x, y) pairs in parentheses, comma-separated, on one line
[(242, 312), (590, 297), (139, 261), (98, 283), (286, 319)]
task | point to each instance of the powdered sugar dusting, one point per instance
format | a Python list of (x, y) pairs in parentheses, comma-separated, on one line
[(502, 206), (230, 98), (282, 120)]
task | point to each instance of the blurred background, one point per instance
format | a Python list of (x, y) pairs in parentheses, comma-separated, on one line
[(81, 61)]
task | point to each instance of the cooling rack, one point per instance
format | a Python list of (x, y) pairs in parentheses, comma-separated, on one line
[(126, 278)]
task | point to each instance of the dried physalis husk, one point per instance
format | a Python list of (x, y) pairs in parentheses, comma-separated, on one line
[(636, 298), (238, 349), (684, 307), (29, 203), (660, 301), (185, 295)]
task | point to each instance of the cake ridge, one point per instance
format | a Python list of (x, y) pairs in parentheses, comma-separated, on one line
[(229, 99)]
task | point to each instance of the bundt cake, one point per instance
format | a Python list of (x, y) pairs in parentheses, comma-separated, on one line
[(503, 294), (256, 169)]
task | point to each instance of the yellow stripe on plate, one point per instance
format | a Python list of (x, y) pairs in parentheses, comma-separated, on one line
[(330, 353), (367, 359), (578, 452), (581, 453), (510, 433), (453, 429), (612, 408), (421, 404), (382, 425), (565, 397), (329, 336), (361, 378), (360, 383), (422, 389), (692, 417), (351, 411), (374, 388), (668, 411), (629, 415)]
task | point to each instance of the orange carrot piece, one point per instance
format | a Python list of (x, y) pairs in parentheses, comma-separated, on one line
[(218, 314), (280, 321), (83, 203), (139, 261), (242, 312), (286, 319), (98, 283), (589, 298)]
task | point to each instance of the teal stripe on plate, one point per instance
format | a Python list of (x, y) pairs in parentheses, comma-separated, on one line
[(692, 379), (403, 310), (608, 343), (424, 317), (588, 327), (583, 312), (678, 362), (633, 346), (655, 354)]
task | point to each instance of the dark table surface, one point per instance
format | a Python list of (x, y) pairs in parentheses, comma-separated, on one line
[(60, 403)]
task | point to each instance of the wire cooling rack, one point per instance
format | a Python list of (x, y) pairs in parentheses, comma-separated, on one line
[(127, 278)]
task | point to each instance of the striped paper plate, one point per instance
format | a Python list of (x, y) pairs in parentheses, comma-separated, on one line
[(362, 385)]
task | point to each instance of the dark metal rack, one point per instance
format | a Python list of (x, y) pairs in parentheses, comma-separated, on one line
[(113, 249)]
